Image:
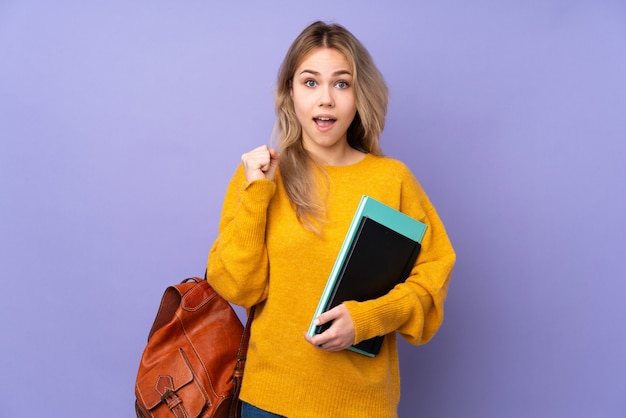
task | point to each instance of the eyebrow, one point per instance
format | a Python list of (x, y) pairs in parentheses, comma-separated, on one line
[(335, 74)]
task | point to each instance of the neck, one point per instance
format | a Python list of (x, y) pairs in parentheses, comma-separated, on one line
[(345, 155)]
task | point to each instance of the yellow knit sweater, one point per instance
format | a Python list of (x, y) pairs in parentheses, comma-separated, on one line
[(263, 256)]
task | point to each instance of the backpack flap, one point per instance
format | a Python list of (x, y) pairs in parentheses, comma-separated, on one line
[(175, 387)]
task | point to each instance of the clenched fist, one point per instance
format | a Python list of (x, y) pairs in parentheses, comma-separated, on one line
[(260, 163)]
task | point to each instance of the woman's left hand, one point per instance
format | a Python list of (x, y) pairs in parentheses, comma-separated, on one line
[(340, 335)]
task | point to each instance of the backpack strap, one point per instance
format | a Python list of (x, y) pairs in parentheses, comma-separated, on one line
[(235, 406)]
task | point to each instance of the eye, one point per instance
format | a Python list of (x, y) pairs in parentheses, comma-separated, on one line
[(342, 84), (310, 83)]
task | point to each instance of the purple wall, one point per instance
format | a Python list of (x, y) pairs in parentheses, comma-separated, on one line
[(121, 123)]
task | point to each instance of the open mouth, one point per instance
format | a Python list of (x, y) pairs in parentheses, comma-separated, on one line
[(324, 121)]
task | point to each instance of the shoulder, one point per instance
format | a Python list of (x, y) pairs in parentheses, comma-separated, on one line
[(390, 167), (398, 185), (389, 162)]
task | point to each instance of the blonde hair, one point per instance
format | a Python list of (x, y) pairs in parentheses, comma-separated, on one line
[(371, 96)]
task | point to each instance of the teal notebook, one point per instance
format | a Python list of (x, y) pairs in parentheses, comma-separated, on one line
[(378, 252)]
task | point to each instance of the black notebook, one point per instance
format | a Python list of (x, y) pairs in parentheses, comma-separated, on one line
[(379, 251)]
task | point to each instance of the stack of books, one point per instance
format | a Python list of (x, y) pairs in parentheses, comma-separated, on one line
[(378, 252)]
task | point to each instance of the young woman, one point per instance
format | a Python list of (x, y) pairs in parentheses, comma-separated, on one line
[(284, 219)]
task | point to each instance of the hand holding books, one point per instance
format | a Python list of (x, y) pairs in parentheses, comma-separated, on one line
[(378, 253), (342, 334)]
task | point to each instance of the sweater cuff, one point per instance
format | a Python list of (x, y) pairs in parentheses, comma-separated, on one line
[(257, 194), (380, 316), (261, 186)]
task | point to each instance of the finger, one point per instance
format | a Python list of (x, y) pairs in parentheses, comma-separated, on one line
[(316, 341), (275, 155), (257, 159), (326, 317), (258, 151)]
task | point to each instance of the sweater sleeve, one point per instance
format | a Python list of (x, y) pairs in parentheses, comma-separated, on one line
[(414, 308), (238, 266)]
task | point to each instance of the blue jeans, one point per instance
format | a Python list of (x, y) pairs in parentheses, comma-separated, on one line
[(251, 411)]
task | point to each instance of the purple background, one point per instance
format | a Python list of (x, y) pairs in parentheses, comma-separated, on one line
[(121, 123)]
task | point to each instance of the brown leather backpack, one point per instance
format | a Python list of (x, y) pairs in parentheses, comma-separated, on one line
[(193, 363)]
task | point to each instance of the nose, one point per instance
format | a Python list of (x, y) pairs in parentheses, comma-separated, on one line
[(326, 98)]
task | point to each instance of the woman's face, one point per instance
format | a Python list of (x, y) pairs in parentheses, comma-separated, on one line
[(324, 101)]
